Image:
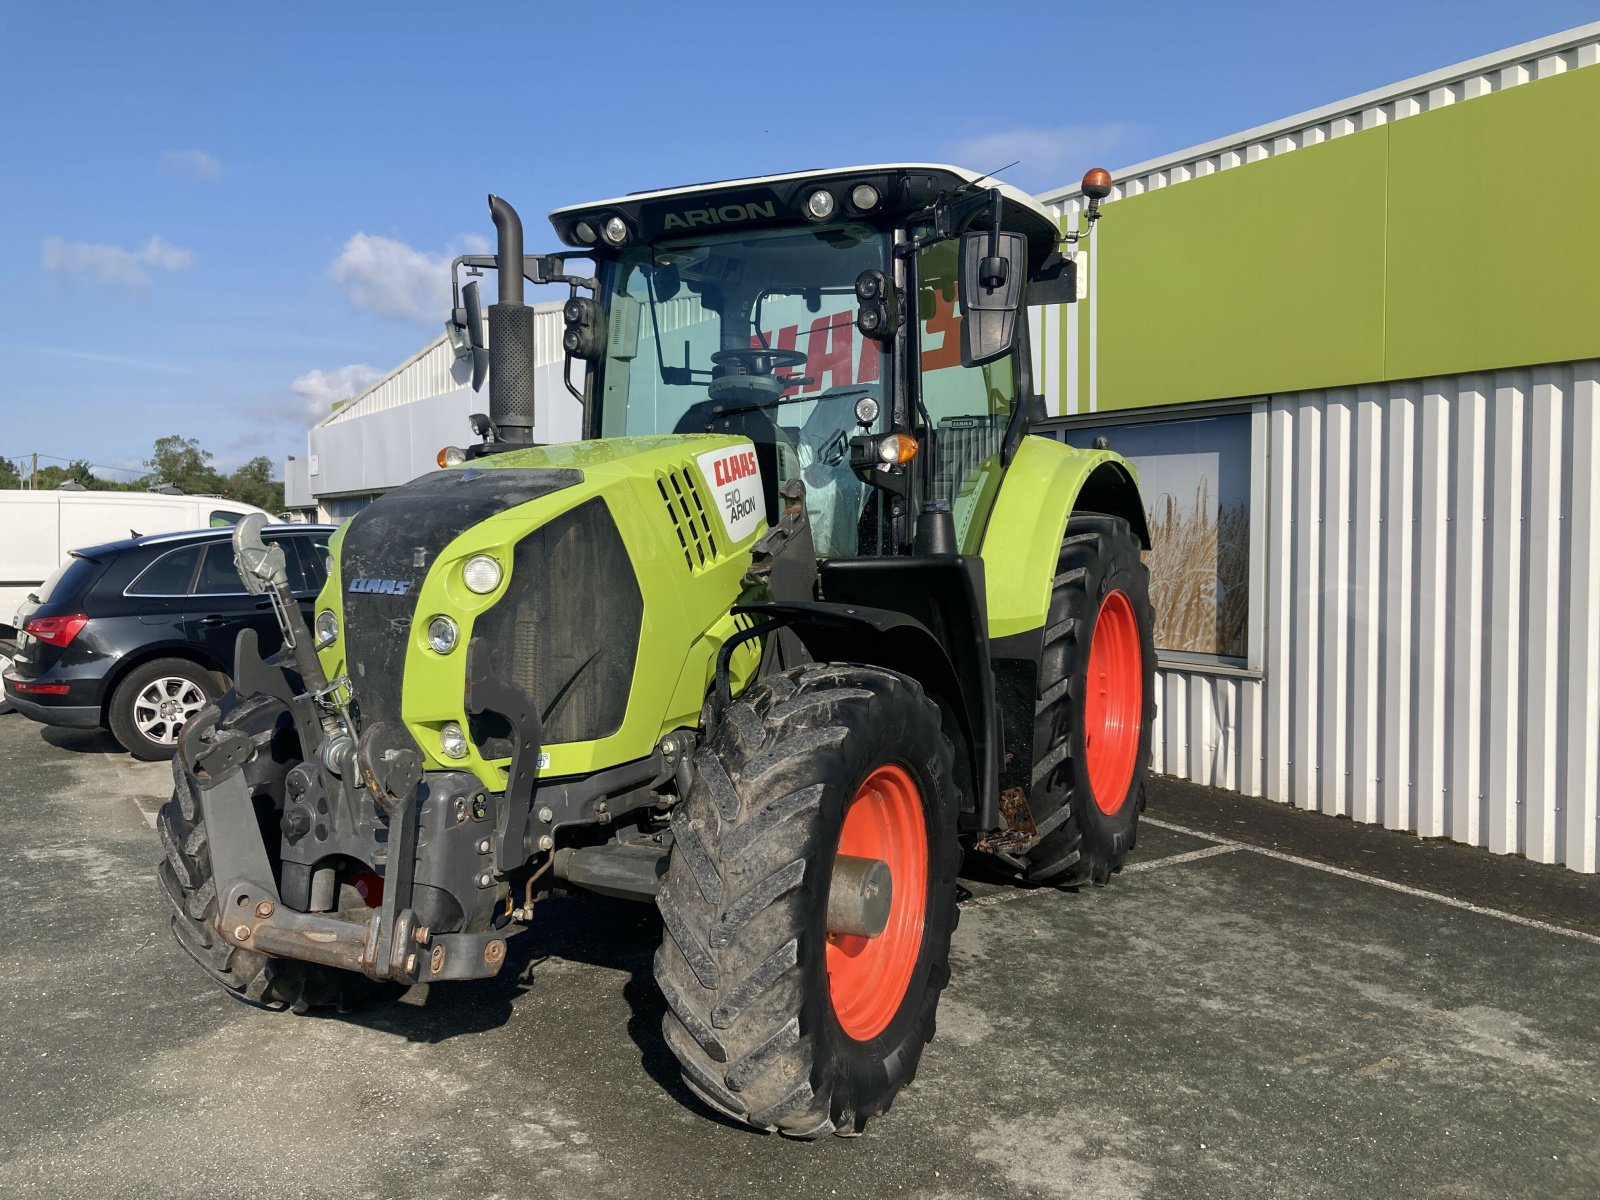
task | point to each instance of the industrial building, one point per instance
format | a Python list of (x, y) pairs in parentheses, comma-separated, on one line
[(1356, 356)]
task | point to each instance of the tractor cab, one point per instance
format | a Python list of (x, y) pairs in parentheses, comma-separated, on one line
[(859, 326)]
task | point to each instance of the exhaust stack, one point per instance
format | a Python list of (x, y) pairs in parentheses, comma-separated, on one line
[(510, 333)]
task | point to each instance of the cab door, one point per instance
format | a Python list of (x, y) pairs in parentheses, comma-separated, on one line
[(970, 407)]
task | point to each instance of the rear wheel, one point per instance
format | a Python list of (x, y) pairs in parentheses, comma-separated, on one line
[(1096, 703), (810, 900), (8, 651), (154, 702), (186, 878)]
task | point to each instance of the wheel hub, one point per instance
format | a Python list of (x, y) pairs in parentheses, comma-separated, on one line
[(860, 897)]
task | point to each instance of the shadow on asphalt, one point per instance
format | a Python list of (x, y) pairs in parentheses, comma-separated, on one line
[(591, 931), (81, 741)]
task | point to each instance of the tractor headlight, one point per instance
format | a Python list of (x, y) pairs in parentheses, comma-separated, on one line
[(615, 230), (864, 196), (442, 635), (452, 742), (327, 629), (481, 574), (820, 205)]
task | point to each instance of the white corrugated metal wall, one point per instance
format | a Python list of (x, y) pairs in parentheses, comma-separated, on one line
[(1432, 622)]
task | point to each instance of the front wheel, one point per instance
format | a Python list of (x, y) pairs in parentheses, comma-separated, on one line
[(810, 900)]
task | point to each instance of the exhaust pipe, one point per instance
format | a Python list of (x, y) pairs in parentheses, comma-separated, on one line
[(510, 334)]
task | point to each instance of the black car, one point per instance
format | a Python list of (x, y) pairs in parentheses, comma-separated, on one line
[(137, 636)]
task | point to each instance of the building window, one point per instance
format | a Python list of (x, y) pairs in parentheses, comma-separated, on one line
[(1195, 475)]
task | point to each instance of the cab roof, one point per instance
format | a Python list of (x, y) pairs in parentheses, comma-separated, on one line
[(765, 200)]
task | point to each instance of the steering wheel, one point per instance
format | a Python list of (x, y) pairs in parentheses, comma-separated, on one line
[(758, 360)]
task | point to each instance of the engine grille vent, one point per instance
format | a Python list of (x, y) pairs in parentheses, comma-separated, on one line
[(690, 518)]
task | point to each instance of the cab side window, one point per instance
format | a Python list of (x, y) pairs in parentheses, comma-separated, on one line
[(969, 406), (221, 518)]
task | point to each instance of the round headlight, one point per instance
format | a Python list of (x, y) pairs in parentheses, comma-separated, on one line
[(452, 742), (616, 230), (866, 410), (327, 628), (864, 196), (481, 574), (586, 233), (442, 635), (819, 205)]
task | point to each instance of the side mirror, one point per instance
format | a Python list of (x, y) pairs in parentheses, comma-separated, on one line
[(470, 315), (991, 293)]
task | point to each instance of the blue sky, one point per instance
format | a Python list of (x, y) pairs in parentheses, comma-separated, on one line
[(215, 219)]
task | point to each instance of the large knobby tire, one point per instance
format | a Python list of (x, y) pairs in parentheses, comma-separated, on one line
[(186, 879), (151, 705), (778, 1023), (1096, 706)]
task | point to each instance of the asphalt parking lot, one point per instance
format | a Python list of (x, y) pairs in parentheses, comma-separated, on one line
[(1248, 1011)]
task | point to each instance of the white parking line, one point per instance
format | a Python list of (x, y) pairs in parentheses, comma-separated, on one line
[(1150, 864), (1404, 889), (1022, 893)]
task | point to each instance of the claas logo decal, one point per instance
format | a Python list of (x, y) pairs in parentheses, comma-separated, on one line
[(735, 479), (736, 466)]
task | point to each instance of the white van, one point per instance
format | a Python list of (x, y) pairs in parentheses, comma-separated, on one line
[(39, 529)]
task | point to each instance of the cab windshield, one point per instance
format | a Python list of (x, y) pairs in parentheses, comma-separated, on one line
[(752, 335)]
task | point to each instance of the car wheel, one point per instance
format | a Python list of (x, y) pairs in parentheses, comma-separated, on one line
[(8, 651), (151, 705)]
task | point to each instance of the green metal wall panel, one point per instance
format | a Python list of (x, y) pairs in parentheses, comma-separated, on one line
[(1456, 240), (1494, 250)]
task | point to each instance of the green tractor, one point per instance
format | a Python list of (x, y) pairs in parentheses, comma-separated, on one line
[(807, 615)]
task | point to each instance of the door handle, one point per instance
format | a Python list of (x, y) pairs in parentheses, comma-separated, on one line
[(213, 620)]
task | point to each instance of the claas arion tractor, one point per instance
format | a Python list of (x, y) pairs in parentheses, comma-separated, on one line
[(805, 616)]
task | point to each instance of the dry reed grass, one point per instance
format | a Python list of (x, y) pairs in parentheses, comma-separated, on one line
[(1200, 575)]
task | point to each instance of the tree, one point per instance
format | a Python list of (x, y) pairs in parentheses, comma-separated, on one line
[(10, 475), (181, 462), (253, 484)]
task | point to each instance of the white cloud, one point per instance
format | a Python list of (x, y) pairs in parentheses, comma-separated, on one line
[(192, 164), (393, 279), (1046, 158), (320, 390), (70, 263)]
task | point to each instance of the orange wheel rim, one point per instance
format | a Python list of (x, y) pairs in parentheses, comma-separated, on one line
[(868, 977), (1113, 705)]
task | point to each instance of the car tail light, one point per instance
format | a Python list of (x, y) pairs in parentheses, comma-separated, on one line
[(55, 631)]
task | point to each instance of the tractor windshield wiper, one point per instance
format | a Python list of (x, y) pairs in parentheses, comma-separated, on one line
[(719, 411)]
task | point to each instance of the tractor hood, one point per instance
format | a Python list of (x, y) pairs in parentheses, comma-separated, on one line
[(608, 562)]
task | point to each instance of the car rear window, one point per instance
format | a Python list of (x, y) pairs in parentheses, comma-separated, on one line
[(169, 575), (71, 578), (218, 577)]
